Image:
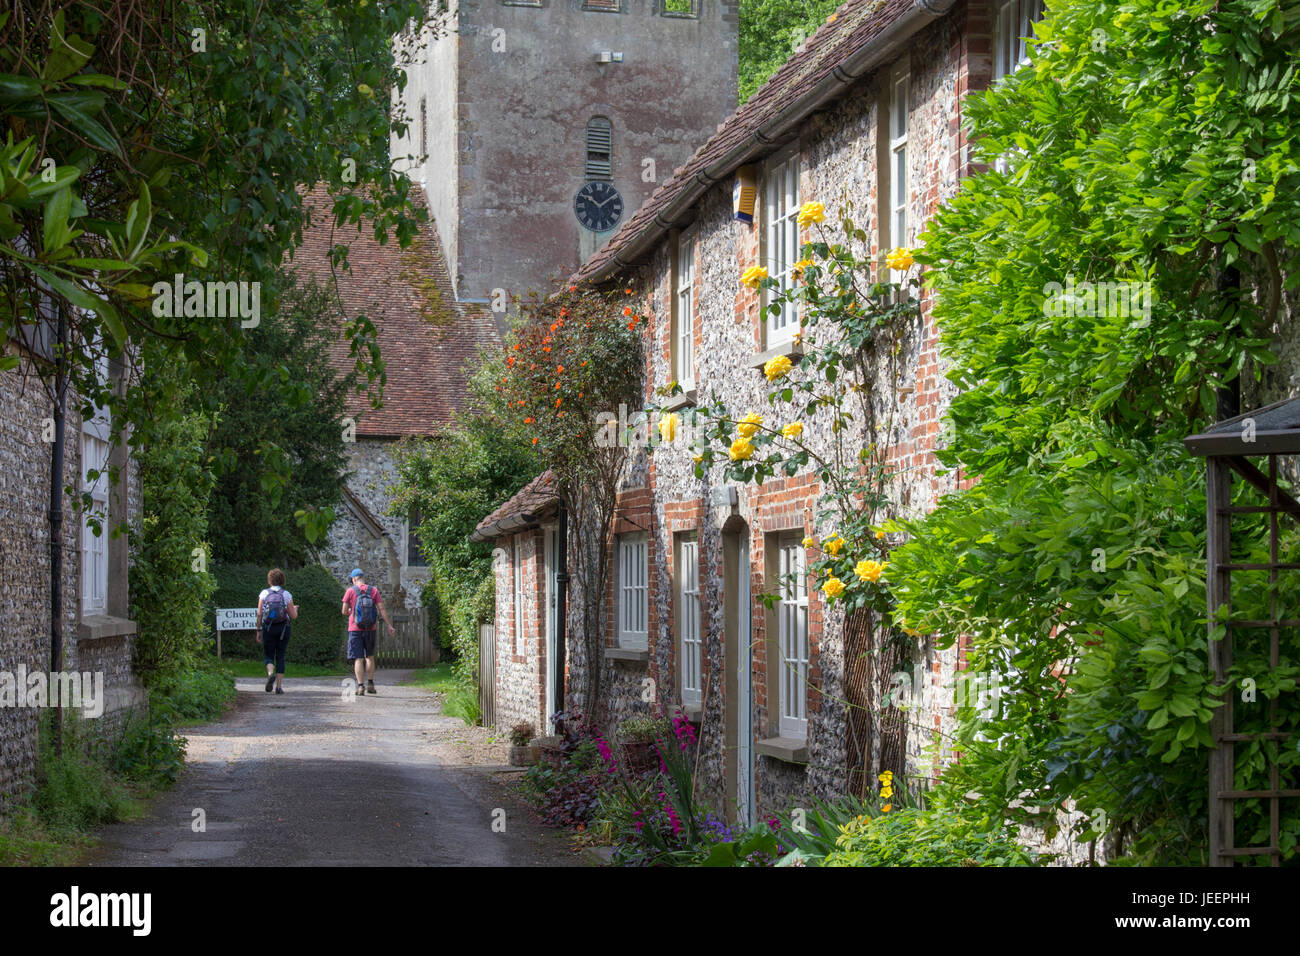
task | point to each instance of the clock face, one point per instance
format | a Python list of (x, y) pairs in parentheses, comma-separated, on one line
[(598, 206)]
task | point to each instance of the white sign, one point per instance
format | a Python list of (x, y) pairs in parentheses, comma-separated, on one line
[(236, 619)]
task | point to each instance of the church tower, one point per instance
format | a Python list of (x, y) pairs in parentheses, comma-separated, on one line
[(536, 127)]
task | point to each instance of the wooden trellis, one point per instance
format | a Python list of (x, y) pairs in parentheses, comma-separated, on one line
[(1271, 434)]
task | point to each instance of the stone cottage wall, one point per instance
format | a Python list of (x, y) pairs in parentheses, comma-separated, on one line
[(25, 569), (372, 471), (521, 661)]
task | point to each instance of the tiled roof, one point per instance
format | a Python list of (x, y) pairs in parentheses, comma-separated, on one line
[(852, 27), (426, 364), (530, 504)]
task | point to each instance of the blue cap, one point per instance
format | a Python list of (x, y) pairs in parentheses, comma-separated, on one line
[(356, 573)]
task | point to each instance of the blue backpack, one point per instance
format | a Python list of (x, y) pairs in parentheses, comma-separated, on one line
[(363, 611), (275, 613)]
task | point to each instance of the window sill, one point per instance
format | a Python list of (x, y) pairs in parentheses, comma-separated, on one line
[(627, 654), (789, 749), (687, 399), (792, 350), (98, 627)]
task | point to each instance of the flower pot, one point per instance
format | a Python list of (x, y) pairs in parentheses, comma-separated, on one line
[(640, 756), (523, 756)]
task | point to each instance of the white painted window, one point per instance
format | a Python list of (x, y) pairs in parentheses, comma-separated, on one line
[(518, 597), (1012, 25), (632, 592), (781, 215), (690, 647), (684, 352), (95, 435), (900, 84), (792, 638)]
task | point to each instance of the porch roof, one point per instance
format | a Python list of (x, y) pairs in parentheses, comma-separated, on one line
[(536, 501), (1272, 430)]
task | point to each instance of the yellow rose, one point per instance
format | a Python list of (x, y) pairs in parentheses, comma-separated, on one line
[(699, 459), (833, 587), (668, 427), (753, 276), (793, 430), (869, 570), (796, 270), (833, 545), (900, 259), (748, 426), (808, 542), (741, 450), (777, 367), (811, 212)]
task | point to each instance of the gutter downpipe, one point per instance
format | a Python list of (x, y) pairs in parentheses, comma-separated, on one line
[(869, 56)]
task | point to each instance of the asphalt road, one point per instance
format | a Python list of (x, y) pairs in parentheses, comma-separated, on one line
[(316, 778)]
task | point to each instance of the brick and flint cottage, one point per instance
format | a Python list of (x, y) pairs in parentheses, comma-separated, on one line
[(867, 113), (98, 634)]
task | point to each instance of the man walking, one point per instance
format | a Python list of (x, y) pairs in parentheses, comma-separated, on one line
[(363, 605)]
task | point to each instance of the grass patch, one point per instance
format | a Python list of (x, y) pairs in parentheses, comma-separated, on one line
[(245, 668), (26, 841), (459, 700), (437, 678)]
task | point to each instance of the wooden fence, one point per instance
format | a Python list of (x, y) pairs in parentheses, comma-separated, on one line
[(411, 645), (487, 673)]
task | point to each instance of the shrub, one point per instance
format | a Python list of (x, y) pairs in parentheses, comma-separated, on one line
[(74, 791), (150, 750), (912, 837), (520, 734), (317, 635)]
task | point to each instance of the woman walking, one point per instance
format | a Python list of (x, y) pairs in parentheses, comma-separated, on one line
[(275, 609)]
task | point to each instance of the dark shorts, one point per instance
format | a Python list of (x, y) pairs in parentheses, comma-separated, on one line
[(361, 644), (273, 649)]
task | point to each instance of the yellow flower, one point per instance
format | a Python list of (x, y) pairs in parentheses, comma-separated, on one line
[(753, 276), (793, 430), (741, 450), (777, 367), (886, 777), (811, 212), (911, 632), (796, 270), (699, 459), (886, 808), (833, 587), (748, 426), (808, 542), (833, 545), (900, 258), (869, 570), (668, 427), (879, 535), (886, 792)]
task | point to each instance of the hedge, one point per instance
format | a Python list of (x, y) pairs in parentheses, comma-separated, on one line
[(317, 636)]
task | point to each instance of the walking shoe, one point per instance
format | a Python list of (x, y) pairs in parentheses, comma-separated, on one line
[(279, 690), (361, 690), (270, 683), (371, 687)]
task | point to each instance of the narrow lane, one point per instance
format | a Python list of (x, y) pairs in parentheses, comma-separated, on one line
[(316, 778)]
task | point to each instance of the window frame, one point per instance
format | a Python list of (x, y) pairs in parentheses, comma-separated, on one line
[(411, 534), (792, 607), (900, 82), (96, 450), (780, 237), (632, 581), (517, 591), (689, 620), (1008, 46), (683, 320)]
